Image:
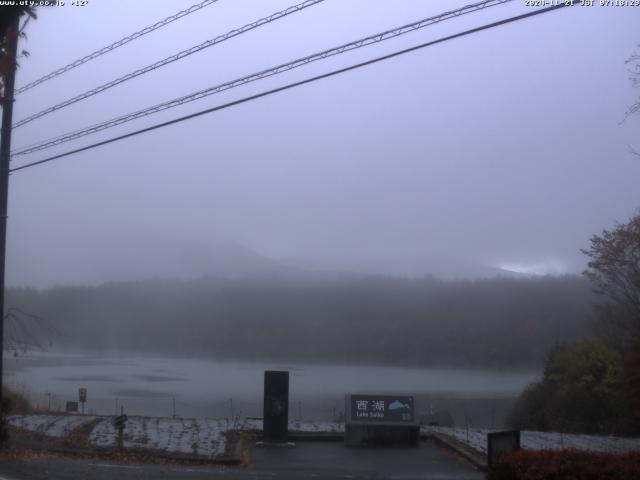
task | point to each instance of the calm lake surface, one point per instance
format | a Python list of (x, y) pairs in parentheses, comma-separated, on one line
[(152, 385)]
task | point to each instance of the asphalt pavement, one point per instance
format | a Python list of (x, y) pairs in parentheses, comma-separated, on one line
[(307, 460)]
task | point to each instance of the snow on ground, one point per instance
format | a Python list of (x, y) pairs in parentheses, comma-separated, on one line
[(295, 426), (50, 425), (207, 437), (477, 439), (308, 426), (195, 436)]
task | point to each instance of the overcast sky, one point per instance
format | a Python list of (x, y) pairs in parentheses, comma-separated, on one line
[(499, 149)]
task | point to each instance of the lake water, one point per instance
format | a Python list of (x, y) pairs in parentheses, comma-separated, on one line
[(152, 385)]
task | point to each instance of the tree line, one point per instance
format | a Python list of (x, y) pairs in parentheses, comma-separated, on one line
[(494, 323)]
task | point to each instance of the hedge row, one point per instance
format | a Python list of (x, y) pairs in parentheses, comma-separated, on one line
[(566, 465)]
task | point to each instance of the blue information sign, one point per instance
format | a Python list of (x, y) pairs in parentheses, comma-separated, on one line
[(381, 408)]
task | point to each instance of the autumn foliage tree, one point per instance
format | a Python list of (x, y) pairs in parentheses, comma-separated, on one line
[(631, 378), (593, 386), (614, 269)]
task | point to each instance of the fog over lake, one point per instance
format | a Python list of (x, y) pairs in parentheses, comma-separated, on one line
[(147, 385)]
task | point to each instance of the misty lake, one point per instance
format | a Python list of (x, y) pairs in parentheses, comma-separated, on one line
[(155, 385)]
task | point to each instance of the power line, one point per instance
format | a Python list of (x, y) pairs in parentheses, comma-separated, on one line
[(114, 45), (173, 58), (295, 84), (372, 39)]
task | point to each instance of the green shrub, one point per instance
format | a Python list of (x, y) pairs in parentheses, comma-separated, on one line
[(580, 392), (12, 403)]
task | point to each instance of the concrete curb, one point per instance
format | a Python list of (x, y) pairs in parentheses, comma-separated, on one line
[(144, 454), (306, 436), (317, 436), (43, 443)]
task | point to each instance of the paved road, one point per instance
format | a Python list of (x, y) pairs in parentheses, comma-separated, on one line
[(308, 460)]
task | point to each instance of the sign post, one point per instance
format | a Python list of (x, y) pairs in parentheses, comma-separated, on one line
[(380, 419), (119, 423), (82, 397)]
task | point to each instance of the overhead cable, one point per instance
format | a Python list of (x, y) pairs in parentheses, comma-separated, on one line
[(114, 45), (372, 39), (292, 85), (173, 58)]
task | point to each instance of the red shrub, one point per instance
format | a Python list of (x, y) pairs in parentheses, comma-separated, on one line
[(566, 465)]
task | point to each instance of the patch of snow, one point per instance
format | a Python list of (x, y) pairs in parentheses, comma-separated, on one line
[(308, 426), (50, 425), (195, 436), (296, 426)]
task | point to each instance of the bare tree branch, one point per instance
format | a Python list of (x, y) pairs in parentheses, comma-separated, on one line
[(634, 71), (25, 331)]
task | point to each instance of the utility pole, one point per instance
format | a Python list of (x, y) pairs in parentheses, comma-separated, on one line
[(11, 48)]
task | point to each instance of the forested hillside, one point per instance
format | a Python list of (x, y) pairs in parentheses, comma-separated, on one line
[(500, 322)]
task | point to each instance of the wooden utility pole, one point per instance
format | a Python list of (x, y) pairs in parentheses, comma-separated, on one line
[(11, 51)]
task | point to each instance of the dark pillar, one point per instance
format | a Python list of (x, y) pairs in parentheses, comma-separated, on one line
[(276, 406), (501, 443)]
